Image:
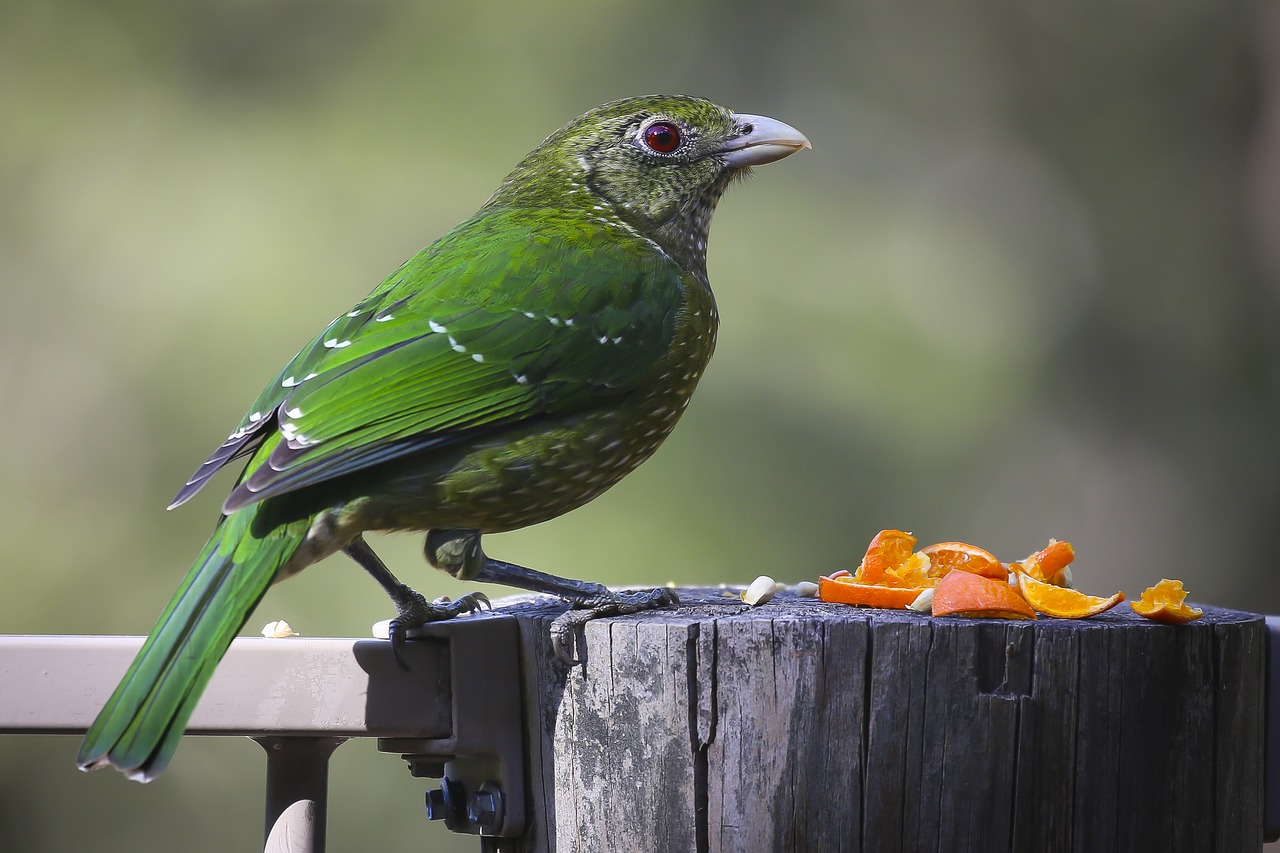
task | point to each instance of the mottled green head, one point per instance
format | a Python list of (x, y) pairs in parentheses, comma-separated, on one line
[(657, 163)]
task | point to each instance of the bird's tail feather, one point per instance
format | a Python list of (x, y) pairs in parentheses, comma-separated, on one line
[(138, 729)]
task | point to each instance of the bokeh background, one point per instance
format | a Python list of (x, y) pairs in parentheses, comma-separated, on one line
[(1025, 285)]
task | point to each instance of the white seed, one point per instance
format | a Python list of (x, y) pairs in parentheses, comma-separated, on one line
[(760, 591), (807, 589), (923, 602), (278, 630)]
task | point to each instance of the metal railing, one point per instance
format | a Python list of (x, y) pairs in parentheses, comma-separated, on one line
[(455, 714)]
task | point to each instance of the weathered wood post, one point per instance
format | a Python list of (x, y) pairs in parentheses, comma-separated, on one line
[(803, 726)]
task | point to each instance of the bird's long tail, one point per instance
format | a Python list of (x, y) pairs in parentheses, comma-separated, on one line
[(138, 729)]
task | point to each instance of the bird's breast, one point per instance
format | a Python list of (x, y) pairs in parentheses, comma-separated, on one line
[(550, 466)]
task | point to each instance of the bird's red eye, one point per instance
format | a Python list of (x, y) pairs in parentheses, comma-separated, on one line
[(662, 137)]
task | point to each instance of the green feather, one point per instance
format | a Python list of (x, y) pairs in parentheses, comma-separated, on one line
[(138, 729), (456, 358)]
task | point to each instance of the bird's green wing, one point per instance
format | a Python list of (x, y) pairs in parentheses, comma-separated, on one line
[(514, 315)]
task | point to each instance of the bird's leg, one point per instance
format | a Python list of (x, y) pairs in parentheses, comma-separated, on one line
[(412, 608), (458, 552)]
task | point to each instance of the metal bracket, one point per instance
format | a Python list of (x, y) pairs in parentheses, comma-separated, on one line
[(481, 762)]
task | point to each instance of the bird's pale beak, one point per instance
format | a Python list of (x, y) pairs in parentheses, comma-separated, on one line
[(763, 140)]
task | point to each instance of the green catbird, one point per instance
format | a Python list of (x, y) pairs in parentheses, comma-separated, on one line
[(508, 373)]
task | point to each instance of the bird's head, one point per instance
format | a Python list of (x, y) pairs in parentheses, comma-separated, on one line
[(658, 163)]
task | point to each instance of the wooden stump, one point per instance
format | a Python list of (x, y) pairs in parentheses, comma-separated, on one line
[(802, 726)]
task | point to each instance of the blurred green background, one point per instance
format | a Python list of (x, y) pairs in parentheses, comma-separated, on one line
[(1024, 286)]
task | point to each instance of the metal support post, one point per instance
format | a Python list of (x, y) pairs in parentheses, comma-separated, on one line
[(297, 792)]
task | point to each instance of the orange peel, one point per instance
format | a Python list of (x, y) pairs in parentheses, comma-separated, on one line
[(845, 590), (1048, 564), (945, 557), (1166, 602), (888, 550), (969, 594), (1061, 602)]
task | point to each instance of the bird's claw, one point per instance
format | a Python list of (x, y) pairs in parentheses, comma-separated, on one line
[(413, 611), (564, 628)]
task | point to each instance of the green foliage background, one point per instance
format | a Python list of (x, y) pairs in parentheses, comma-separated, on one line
[(1024, 286)]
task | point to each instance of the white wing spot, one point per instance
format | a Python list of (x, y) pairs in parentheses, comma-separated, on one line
[(355, 313), (384, 318), (477, 357), (618, 339), (254, 417), (334, 343), (530, 314), (555, 321), (291, 382), (604, 339), (309, 376), (522, 379), (457, 347), (295, 412), (436, 327)]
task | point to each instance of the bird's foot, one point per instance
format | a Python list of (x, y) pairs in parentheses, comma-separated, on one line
[(413, 611), (602, 603)]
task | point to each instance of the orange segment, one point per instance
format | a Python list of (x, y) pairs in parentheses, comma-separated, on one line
[(846, 591), (1166, 602), (1061, 602), (1048, 563), (967, 594), (947, 556), (888, 550)]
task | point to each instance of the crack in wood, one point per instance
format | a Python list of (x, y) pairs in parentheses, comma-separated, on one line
[(805, 726)]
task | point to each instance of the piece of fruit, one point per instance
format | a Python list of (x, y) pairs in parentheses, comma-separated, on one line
[(1166, 602), (967, 594), (888, 550), (948, 556), (847, 591), (1049, 564), (1061, 602)]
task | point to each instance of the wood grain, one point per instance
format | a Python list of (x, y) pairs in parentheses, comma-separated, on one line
[(800, 725)]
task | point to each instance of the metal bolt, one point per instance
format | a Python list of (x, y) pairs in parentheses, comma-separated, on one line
[(486, 806), (435, 804), (445, 803)]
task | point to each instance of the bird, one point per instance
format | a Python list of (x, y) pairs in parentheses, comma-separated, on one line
[(508, 373)]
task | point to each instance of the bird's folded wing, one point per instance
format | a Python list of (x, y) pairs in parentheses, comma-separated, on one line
[(454, 344)]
